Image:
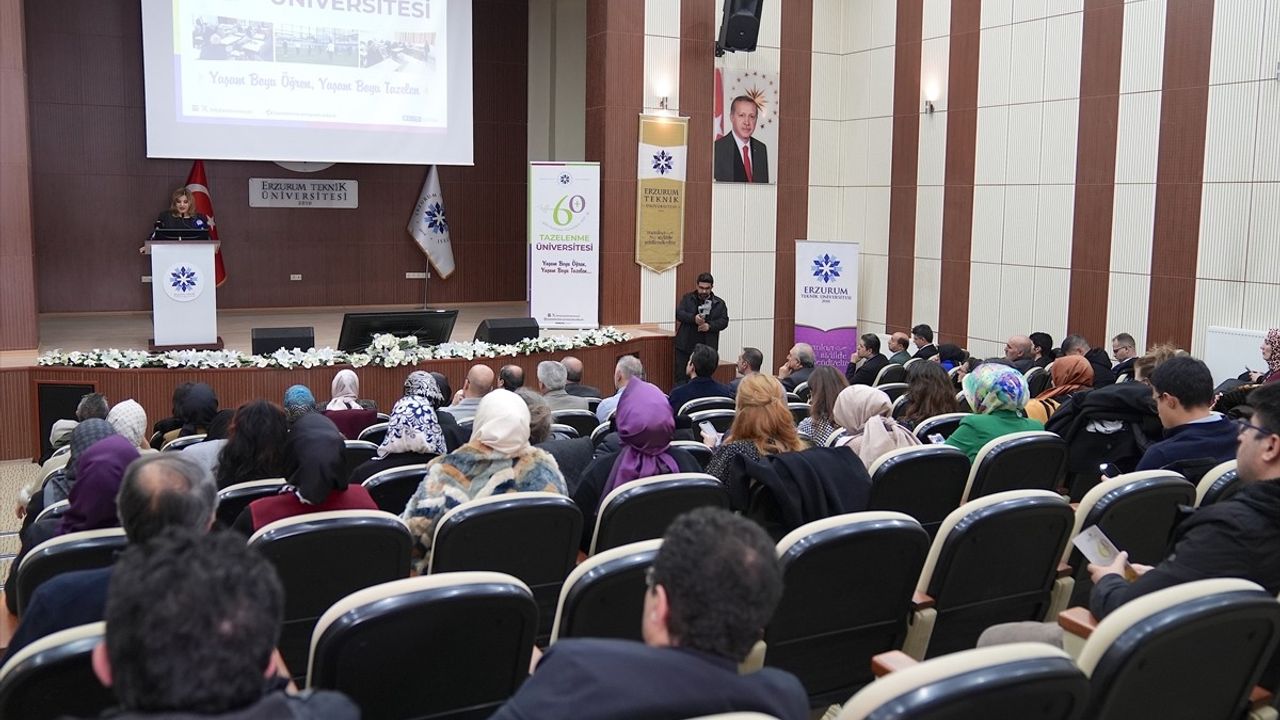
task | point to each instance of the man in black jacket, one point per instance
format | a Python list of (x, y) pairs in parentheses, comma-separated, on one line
[(702, 315), (922, 336), (1097, 357), (868, 350)]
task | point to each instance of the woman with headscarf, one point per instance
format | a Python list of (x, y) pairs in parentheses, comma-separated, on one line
[(254, 445), (644, 423), (1071, 374), (865, 413), (762, 425), (174, 421), (997, 393), (498, 459), (413, 437), (1271, 355), (426, 386), (130, 420), (58, 485), (346, 393), (317, 481), (950, 356), (298, 401), (197, 408)]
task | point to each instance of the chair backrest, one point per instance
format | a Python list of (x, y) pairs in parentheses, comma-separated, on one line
[(799, 411), (791, 397), (994, 560), (374, 433), (597, 435), (593, 404), (355, 454), (53, 677), (700, 452), (893, 390), (567, 431), (642, 509), (1194, 650), (52, 511), (325, 556), (924, 481), (392, 488), (891, 373), (351, 422), (1038, 380), (533, 536), (943, 425), (721, 420), (453, 645), (64, 450), (706, 403), (181, 442), (847, 587), (233, 499), (963, 401), (912, 360), (1220, 483), (1019, 680), (900, 406), (835, 437), (604, 595), (582, 421), (1031, 460), (383, 417), (954, 374), (802, 391), (84, 550)]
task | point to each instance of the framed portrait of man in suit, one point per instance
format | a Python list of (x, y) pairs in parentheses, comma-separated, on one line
[(745, 126)]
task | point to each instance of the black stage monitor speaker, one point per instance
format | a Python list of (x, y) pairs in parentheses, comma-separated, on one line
[(504, 331), (268, 340), (431, 327), (57, 401), (740, 27)]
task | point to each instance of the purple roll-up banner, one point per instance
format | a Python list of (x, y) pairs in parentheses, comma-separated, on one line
[(827, 300)]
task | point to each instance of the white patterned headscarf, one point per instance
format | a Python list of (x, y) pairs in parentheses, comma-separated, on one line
[(413, 428), (130, 420)]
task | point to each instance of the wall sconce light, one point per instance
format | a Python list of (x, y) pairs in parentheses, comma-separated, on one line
[(928, 107), (930, 96), (662, 102)]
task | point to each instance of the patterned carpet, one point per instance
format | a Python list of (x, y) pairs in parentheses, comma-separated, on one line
[(13, 474)]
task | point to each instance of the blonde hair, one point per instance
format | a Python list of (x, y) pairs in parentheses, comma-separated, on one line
[(173, 202), (761, 416), (1155, 357)]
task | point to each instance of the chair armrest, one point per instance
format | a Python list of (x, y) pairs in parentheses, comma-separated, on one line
[(1065, 570), (921, 601), (892, 661), (1078, 621)]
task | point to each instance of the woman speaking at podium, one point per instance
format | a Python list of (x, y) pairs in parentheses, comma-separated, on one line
[(181, 214)]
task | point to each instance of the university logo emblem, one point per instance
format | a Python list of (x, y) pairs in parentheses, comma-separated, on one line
[(826, 268), (183, 282), (662, 162), (434, 217)]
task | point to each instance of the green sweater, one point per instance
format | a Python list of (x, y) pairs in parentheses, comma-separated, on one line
[(978, 430)]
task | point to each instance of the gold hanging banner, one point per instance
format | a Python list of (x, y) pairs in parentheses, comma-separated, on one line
[(664, 146)]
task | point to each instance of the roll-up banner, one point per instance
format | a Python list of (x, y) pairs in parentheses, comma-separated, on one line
[(564, 244), (660, 170), (827, 299)]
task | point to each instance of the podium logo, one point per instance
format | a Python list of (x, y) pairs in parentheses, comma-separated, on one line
[(183, 282)]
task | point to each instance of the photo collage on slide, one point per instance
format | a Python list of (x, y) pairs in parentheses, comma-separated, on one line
[(229, 38)]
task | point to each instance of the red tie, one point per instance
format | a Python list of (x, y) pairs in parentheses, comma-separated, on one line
[(746, 161)]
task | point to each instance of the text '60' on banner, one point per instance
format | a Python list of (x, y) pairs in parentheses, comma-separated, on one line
[(564, 244), (660, 170)]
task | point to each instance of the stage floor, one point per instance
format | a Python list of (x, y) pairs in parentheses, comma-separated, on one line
[(86, 331)]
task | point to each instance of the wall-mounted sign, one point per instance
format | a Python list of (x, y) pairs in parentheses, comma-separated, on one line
[(295, 193)]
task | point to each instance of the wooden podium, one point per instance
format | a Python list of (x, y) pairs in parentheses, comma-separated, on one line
[(184, 303)]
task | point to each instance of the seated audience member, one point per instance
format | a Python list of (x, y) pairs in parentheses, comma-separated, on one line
[(645, 424), (573, 377), (413, 437), (93, 405), (996, 393), (824, 385), (317, 480), (1043, 348), (1071, 374), (129, 419), (798, 367), (158, 491), (949, 356), (552, 377), (497, 460), (511, 377), (1125, 350), (1271, 356), (59, 437), (922, 336), (1183, 389), (199, 405), (711, 590), (1097, 357), (627, 368), (865, 414), (702, 365), (225, 601), (346, 393), (443, 383), (254, 449), (898, 343), (873, 362), (206, 453), (762, 425), (929, 393), (298, 401), (58, 485), (750, 361), (539, 416), (424, 386), (1020, 353), (477, 385), (173, 422), (572, 454)]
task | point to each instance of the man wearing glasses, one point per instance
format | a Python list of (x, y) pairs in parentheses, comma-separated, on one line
[(1183, 391)]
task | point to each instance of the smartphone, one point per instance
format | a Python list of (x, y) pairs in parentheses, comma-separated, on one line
[(708, 429), (1098, 549), (936, 438), (1108, 470)]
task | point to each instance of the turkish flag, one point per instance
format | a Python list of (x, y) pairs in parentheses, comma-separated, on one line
[(717, 120), (199, 189)]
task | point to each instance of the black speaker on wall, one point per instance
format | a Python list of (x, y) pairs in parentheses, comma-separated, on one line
[(504, 331), (268, 340), (740, 27)]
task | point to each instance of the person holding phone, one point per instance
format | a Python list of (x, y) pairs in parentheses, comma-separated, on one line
[(702, 315)]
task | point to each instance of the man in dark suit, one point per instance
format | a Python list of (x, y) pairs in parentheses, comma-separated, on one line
[(739, 157), (1124, 350), (702, 365), (702, 315), (798, 367), (868, 350), (573, 369), (922, 336)]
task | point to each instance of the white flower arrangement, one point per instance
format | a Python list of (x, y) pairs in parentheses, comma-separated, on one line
[(386, 350)]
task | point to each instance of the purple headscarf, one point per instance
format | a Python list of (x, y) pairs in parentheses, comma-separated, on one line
[(93, 498), (645, 423)]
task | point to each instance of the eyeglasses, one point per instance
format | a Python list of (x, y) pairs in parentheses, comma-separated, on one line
[(1243, 425)]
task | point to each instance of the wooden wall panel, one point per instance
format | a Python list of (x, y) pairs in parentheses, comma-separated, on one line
[(17, 255), (697, 65), (906, 155), (795, 78), (96, 192), (957, 197)]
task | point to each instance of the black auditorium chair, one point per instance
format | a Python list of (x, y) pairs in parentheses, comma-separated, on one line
[(699, 451), (583, 422), (1031, 460), (392, 488), (233, 499), (355, 454), (53, 677), (891, 373), (374, 433), (83, 550), (1218, 484), (923, 481), (642, 509), (943, 425), (604, 595)]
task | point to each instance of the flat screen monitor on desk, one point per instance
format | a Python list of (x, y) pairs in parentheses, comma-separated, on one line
[(431, 327), (180, 234)]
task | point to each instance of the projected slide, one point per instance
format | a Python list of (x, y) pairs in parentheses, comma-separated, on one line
[(322, 80)]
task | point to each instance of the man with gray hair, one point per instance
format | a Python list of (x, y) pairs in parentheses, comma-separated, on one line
[(552, 377), (573, 368), (628, 367), (798, 367), (1097, 357), (93, 405), (157, 492)]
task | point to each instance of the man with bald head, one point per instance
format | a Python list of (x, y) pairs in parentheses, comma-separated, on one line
[(1020, 352), (478, 384), (511, 377), (898, 346), (573, 385)]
